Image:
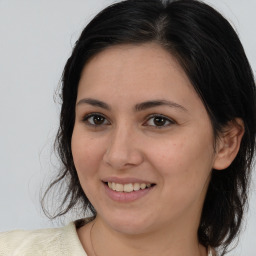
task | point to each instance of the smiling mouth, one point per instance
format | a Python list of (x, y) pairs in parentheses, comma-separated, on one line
[(129, 187)]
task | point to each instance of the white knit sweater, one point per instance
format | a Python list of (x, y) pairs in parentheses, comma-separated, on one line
[(45, 242)]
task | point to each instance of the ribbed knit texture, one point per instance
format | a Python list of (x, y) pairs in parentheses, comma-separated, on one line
[(45, 242)]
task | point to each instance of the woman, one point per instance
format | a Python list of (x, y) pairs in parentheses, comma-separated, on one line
[(156, 137)]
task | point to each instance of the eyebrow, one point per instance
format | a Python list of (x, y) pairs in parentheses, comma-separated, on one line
[(156, 103), (94, 102), (138, 107)]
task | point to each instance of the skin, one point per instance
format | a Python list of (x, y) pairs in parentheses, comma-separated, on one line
[(177, 155)]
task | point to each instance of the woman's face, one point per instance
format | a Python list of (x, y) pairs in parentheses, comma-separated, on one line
[(139, 122)]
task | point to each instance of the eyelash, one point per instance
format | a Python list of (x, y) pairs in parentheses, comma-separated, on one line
[(162, 117), (91, 115)]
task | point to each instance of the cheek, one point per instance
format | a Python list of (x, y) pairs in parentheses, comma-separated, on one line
[(86, 153), (184, 170), (86, 156), (184, 161)]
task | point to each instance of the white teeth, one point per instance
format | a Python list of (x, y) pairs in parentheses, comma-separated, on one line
[(119, 187), (136, 186), (128, 187), (143, 185)]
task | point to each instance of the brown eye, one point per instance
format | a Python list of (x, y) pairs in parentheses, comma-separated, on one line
[(159, 121), (96, 120)]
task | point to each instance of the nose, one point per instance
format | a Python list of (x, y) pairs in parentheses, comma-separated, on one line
[(123, 149)]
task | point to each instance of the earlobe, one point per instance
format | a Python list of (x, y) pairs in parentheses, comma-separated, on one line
[(228, 144)]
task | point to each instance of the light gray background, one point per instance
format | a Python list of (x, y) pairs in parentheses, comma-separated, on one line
[(36, 38)]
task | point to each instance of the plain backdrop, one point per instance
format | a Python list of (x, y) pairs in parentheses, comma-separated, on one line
[(36, 38)]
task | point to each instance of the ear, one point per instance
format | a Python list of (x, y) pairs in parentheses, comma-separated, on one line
[(228, 144)]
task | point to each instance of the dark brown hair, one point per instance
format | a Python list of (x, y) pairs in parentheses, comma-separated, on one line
[(210, 52)]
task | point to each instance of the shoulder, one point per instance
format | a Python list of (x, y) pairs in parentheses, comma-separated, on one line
[(55, 241)]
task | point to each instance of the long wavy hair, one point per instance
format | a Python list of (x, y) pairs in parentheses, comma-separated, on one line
[(210, 52)]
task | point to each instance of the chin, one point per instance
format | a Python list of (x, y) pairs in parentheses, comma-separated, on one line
[(127, 224)]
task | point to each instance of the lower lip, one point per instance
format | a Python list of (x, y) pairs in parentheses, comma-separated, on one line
[(126, 196)]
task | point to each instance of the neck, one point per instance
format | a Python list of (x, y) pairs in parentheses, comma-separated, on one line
[(106, 241)]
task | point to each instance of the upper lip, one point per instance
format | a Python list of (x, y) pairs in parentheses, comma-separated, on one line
[(126, 180)]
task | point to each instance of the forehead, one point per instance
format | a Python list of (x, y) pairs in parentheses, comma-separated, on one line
[(148, 58), (136, 71)]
